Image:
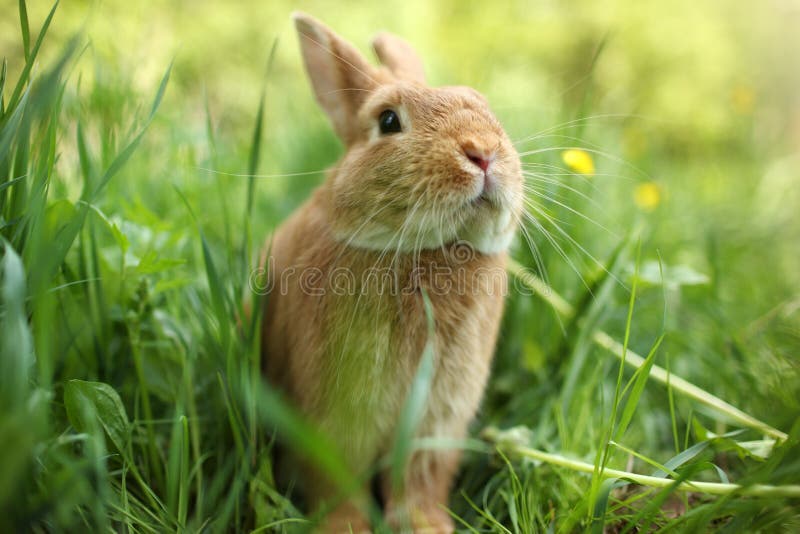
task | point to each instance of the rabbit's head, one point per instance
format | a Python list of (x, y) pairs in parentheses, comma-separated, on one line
[(423, 166)]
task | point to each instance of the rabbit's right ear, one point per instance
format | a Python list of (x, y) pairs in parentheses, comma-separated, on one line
[(341, 77), (399, 57)]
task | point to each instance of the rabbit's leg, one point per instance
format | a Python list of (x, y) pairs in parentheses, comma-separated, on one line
[(348, 517), (343, 514), (420, 504), (345, 509)]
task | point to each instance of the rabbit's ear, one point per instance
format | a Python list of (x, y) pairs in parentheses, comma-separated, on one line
[(340, 75), (399, 57)]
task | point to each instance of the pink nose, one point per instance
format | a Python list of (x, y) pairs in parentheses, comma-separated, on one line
[(479, 158)]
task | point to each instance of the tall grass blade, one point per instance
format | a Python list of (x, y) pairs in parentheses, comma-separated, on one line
[(415, 403), (584, 319), (305, 440), (125, 154), (3, 73), (253, 162), (636, 384), (25, 27), (67, 235), (26, 70), (219, 298)]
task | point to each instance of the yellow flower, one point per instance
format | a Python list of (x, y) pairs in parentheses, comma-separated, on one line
[(578, 161), (647, 196)]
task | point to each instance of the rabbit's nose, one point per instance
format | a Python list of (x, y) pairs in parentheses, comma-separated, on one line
[(481, 158)]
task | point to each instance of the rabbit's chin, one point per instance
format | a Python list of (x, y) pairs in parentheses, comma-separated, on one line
[(492, 235), (485, 234)]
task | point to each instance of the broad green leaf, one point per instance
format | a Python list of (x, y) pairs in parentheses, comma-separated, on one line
[(96, 399), (57, 216), (151, 263)]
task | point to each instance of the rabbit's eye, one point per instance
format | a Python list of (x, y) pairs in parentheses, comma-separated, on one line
[(389, 122)]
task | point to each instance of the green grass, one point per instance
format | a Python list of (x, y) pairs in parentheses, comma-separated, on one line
[(131, 213)]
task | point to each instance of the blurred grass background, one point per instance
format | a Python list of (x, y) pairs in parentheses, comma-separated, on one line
[(690, 114)]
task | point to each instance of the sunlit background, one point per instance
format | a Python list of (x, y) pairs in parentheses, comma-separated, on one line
[(692, 108)]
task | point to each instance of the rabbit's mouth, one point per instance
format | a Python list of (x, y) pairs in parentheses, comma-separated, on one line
[(491, 215), (481, 200), (490, 193), (486, 184)]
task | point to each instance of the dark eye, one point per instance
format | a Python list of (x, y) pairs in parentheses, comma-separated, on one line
[(389, 122)]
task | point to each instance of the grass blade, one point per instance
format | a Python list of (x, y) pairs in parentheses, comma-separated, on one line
[(25, 27), (125, 154), (3, 72), (414, 406), (26, 70), (657, 373), (638, 381), (710, 488)]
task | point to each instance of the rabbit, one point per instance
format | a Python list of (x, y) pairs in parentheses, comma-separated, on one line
[(423, 204)]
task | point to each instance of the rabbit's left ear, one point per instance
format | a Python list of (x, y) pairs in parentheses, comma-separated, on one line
[(399, 57)]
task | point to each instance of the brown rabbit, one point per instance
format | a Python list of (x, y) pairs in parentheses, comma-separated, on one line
[(425, 200)]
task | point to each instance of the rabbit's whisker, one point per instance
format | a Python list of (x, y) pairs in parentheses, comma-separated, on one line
[(580, 120), (571, 210), (242, 175), (601, 153)]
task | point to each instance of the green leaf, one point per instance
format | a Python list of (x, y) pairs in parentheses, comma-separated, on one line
[(151, 263), (682, 458), (98, 400), (16, 345), (111, 226), (57, 216)]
